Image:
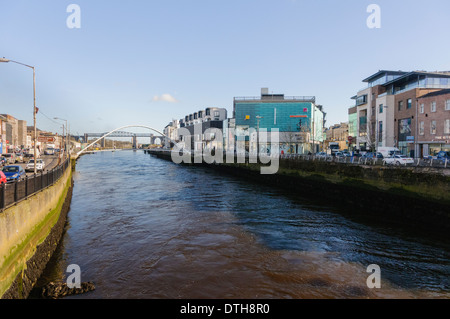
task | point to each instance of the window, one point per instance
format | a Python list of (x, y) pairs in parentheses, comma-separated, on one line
[(422, 128), (381, 108), (433, 128), (422, 108), (409, 103), (447, 105), (380, 131), (400, 105), (447, 126), (216, 113), (433, 106)]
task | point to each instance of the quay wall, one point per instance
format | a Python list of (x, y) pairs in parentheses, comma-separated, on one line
[(417, 198), (29, 234)]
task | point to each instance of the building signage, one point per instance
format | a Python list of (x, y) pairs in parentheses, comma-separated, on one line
[(46, 139)]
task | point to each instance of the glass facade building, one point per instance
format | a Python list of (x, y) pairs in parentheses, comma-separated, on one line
[(299, 120)]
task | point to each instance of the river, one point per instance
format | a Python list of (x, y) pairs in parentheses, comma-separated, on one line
[(141, 227)]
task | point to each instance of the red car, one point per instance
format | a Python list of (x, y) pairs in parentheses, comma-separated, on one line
[(2, 178)]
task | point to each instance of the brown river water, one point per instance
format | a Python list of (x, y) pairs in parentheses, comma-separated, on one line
[(145, 228)]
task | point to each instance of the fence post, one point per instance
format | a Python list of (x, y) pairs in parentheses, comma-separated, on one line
[(3, 201), (15, 190), (26, 186)]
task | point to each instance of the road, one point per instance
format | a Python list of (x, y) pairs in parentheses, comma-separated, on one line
[(51, 161)]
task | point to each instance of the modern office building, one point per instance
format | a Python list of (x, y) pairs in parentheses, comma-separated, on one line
[(299, 120), (387, 109)]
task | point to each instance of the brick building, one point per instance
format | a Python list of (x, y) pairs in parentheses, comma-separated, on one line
[(434, 123)]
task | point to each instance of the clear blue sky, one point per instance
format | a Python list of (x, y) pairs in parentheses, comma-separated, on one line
[(203, 53)]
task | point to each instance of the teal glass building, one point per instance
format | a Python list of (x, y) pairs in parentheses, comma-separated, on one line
[(299, 120)]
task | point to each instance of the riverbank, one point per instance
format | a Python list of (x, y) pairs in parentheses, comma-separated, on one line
[(414, 198)]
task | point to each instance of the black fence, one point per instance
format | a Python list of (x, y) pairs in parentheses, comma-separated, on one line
[(12, 193)]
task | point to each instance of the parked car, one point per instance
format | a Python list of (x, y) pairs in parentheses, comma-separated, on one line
[(28, 155), (49, 151), (14, 173), (342, 154), (3, 179), (19, 158), (442, 155), (398, 160), (10, 158), (389, 151), (321, 154), (40, 165)]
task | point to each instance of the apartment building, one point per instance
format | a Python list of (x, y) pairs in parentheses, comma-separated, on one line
[(197, 124), (434, 123), (14, 133), (299, 120), (387, 109)]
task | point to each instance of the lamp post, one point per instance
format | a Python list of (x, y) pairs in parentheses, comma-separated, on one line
[(34, 104), (258, 118), (67, 133)]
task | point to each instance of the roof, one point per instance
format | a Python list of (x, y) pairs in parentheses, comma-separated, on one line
[(409, 75), (437, 93), (376, 75)]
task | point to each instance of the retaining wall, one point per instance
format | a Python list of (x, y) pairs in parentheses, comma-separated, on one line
[(29, 234)]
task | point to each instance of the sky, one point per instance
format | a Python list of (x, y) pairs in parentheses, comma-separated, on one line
[(147, 62)]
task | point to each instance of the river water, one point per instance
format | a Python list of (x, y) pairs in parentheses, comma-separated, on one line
[(142, 227)]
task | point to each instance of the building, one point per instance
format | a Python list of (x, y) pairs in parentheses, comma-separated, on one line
[(434, 123), (299, 120), (338, 133), (387, 108), (14, 133), (197, 124), (352, 127), (170, 134)]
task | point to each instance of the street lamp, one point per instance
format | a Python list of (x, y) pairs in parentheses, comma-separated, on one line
[(34, 103), (67, 132), (258, 119)]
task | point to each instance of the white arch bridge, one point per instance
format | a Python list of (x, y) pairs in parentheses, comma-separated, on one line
[(120, 133)]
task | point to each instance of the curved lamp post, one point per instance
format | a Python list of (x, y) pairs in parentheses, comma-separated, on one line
[(34, 104)]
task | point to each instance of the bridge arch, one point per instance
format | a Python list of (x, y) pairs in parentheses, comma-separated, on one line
[(119, 129)]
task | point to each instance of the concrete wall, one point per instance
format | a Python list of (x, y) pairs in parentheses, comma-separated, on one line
[(29, 233)]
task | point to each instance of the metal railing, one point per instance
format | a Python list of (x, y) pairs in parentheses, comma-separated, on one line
[(419, 162), (14, 192)]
